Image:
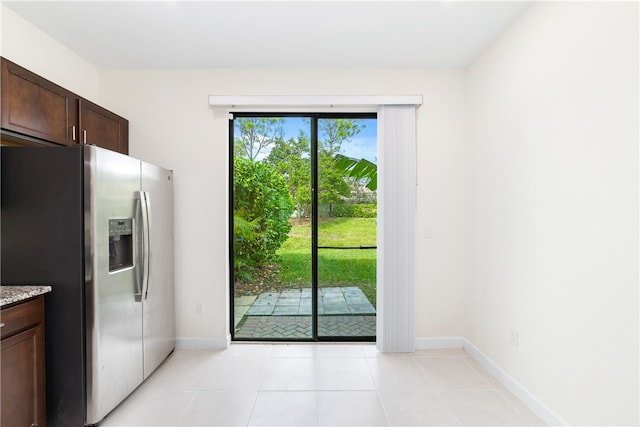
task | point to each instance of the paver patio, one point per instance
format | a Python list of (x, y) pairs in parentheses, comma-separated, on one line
[(342, 311), (299, 327), (297, 302)]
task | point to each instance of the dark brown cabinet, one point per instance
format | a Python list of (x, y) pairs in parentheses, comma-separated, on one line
[(103, 128), (38, 110), (22, 364), (36, 107)]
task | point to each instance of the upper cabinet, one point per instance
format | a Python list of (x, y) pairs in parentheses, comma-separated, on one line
[(103, 128), (36, 107), (39, 110)]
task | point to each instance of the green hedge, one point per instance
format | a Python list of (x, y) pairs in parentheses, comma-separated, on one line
[(355, 211)]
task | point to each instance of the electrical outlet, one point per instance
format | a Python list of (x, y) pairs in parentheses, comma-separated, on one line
[(515, 338), (199, 307)]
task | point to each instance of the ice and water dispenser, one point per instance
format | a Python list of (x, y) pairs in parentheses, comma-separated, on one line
[(120, 243)]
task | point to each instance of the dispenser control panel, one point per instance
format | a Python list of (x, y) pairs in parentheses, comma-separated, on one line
[(120, 244), (118, 227)]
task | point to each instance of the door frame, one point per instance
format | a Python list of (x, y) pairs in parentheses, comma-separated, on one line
[(313, 139)]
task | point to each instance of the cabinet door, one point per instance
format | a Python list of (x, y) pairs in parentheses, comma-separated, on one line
[(22, 370), (103, 128), (36, 107)]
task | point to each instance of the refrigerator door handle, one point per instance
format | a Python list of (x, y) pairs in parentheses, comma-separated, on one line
[(143, 283), (145, 245), (138, 247)]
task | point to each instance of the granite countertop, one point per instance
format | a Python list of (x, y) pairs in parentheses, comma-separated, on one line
[(11, 294)]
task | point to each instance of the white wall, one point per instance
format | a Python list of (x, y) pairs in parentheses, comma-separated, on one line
[(553, 137), (31, 48), (172, 125)]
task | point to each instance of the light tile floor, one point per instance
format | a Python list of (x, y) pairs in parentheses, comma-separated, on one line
[(320, 385)]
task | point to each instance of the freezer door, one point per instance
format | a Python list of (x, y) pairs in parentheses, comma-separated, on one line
[(158, 298), (114, 316)]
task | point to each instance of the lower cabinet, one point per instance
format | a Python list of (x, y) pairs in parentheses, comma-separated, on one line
[(22, 391)]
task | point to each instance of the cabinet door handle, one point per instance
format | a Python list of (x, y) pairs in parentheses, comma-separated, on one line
[(73, 133), (84, 136), (1, 325)]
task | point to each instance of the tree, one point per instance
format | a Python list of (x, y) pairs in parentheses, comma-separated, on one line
[(256, 136), (333, 132), (331, 179), (332, 186), (291, 159)]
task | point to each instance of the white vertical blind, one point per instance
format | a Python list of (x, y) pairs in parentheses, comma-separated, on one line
[(396, 209)]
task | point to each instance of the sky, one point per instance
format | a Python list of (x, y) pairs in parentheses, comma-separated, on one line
[(362, 146)]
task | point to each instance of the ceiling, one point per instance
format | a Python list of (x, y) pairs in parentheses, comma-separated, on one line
[(303, 33)]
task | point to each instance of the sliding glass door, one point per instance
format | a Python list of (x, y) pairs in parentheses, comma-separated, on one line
[(303, 218)]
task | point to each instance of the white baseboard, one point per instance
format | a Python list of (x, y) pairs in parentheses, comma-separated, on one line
[(218, 343), (539, 408), (439, 342)]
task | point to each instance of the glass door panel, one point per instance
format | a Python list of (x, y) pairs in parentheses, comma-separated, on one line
[(346, 243), (303, 261), (272, 267)]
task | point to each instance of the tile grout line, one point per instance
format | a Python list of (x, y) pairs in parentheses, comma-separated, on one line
[(253, 408), (439, 391), (190, 404), (497, 390), (511, 405), (384, 408), (259, 386)]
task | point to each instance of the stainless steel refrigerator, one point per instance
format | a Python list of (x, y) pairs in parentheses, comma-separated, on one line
[(97, 226)]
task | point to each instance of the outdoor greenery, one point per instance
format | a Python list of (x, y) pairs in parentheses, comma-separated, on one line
[(272, 190), (262, 207), (257, 135), (291, 159), (332, 183), (356, 211), (336, 267)]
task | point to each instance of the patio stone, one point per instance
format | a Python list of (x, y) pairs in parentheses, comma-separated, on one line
[(333, 300), (288, 301), (241, 306), (266, 299), (351, 291), (290, 294), (261, 310), (244, 300), (336, 309), (359, 300), (362, 308), (286, 310), (305, 308), (328, 292), (337, 302)]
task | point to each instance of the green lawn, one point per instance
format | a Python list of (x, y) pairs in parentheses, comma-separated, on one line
[(336, 267)]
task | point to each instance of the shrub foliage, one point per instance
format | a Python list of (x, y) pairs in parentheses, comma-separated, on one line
[(262, 206), (356, 211)]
